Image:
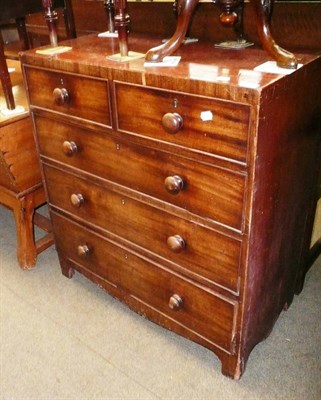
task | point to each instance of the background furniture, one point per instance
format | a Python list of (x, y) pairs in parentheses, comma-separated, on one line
[(18, 10), (231, 17), (295, 25), (188, 192), (21, 187)]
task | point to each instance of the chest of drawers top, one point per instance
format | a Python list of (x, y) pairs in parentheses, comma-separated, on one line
[(203, 69), (206, 106)]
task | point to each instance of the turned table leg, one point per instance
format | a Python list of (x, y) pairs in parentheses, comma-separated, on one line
[(51, 18), (283, 58), (110, 13), (185, 11), (186, 8), (122, 22)]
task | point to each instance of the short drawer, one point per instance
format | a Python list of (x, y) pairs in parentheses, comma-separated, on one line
[(69, 94), (198, 311), (202, 189), (200, 123), (197, 250)]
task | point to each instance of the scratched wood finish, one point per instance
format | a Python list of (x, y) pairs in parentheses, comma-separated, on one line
[(239, 240), (225, 133), (77, 102), (124, 216), (141, 278), (146, 170)]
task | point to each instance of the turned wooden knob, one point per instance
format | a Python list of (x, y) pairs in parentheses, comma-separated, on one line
[(69, 148), (174, 184), (172, 122), (61, 96), (228, 18), (175, 302), (77, 199), (83, 250), (176, 243)]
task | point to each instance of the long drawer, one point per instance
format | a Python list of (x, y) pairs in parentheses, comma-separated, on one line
[(199, 311), (206, 190), (198, 250), (69, 94), (200, 123)]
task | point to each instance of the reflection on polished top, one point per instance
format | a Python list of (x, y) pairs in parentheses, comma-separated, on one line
[(199, 62)]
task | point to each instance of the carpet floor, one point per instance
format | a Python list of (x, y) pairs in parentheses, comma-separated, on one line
[(64, 339)]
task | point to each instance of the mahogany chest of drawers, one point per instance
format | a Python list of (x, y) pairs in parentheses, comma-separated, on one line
[(186, 192)]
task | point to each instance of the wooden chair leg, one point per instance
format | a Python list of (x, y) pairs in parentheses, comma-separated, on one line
[(27, 218), (5, 78), (26, 249), (23, 34), (69, 19), (44, 224)]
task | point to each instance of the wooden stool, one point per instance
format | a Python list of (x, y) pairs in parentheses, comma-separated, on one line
[(21, 187)]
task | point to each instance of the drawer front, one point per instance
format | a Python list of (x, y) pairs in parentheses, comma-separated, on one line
[(200, 123), (191, 247), (205, 190), (199, 311), (69, 94)]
